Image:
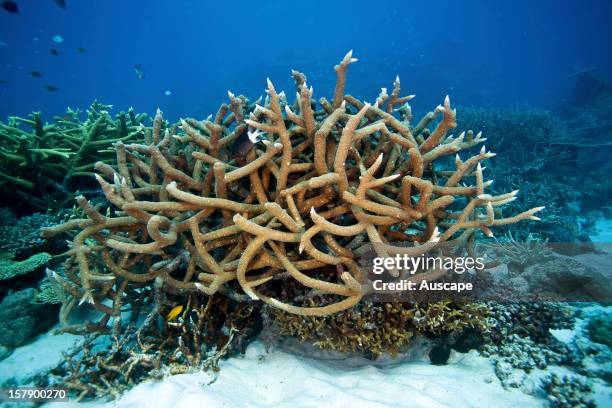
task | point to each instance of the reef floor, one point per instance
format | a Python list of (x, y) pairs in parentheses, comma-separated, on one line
[(290, 377), (287, 379)]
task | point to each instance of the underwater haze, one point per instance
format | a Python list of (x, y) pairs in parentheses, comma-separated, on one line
[(192, 52)]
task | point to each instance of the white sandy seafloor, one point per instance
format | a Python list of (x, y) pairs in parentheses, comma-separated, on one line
[(281, 379), (284, 380)]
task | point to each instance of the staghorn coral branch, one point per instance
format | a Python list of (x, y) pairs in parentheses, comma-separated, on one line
[(199, 209), (341, 80), (271, 150), (343, 147), (448, 122), (211, 202), (305, 280)]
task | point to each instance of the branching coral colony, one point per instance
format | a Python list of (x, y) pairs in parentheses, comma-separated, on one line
[(42, 167), (261, 195)]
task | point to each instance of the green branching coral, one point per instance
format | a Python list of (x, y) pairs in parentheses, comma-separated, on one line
[(40, 162)]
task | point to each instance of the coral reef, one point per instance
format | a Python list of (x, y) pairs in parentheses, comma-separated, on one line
[(586, 114), (535, 137), (568, 279), (27, 298), (528, 341), (556, 153), (22, 250), (561, 222), (526, 354), (23, 253), (21, 236), (258, 196), (553, 162), (373, 329), (531, 320), (568, 392), (518, 254), (520, 339), (48, 293), (42, 166)]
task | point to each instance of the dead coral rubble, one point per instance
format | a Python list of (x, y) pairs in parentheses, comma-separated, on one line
[(205, 331), (269, 192)]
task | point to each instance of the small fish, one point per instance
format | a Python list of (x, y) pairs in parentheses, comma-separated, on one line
[(58, 39), (173, 314), (81, 50), (10, 7), (139, 72), (3, 82), (168, 93), (36, 74), (241, 146), (3, 44), (61, 3), (50, 88), (55, 52)]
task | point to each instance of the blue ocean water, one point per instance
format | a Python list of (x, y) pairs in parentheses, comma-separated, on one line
[(479, 52)]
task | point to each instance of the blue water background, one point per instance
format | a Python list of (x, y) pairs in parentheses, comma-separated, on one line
[(480, 52)]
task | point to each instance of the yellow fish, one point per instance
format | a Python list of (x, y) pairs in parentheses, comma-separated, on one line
[(176, 310)]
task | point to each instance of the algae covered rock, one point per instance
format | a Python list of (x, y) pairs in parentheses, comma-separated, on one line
[(600, 330), (22, 318), (569, 279)]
